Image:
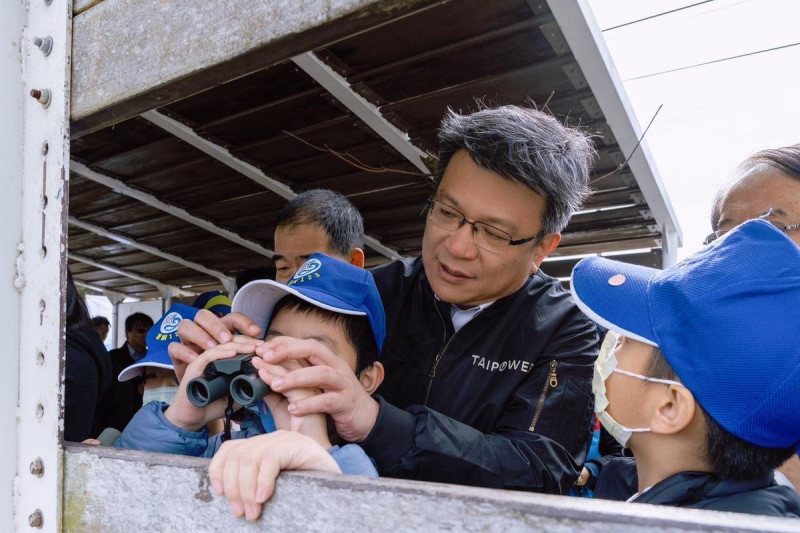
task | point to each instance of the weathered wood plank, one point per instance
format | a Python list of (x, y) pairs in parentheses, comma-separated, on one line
[(114, 490), (130, 56)]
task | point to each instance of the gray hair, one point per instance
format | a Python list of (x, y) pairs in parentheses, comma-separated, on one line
[(333, 212), (526, 146), (786, 160)]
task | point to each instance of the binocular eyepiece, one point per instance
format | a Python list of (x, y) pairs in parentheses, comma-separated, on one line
[(236, 377)]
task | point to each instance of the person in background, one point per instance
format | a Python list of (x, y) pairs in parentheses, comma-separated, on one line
[(101, 325), (87, 370), (766, 184), (215, 301), (123, 399)]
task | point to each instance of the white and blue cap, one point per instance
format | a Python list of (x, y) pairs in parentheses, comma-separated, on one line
[(324, 282), (727, 319), (159, 337)]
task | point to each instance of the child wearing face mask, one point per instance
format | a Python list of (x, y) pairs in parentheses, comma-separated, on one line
[(160, 382), (701, 379)]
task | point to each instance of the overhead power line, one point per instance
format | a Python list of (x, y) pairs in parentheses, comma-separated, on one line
[(657, 15), (713, 61)]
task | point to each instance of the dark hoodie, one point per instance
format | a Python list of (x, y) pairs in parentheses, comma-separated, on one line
[(699, 490), (87, 376)]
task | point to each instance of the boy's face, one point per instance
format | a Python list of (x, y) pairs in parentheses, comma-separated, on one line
[(300, 325), (626, 394)]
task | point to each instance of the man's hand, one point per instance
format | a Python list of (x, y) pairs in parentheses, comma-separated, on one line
[(353, 410), (204, 333), (181, 411), (244, 470)]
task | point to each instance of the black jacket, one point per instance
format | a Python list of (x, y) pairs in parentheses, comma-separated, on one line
[(699, 490), (122, 399), (506, 402), (87, 375)]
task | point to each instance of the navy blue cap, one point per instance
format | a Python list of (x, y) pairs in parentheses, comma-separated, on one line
[(727, 319), (159, 337), (324, 282)]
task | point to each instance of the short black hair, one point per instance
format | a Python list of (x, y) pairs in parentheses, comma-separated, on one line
[(529, 147), (77, 312), (333, 212), (98, 321), (730, 456), (137, 318), (356, 328)]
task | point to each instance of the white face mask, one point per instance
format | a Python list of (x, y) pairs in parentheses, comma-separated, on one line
[(160, 394), (606, 365)]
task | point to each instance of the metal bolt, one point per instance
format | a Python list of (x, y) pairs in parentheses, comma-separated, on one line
[(37, 467), (45, 44), (43, 96), (48, 2), (35, 519)]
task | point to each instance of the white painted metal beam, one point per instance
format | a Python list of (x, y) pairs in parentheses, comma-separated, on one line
[(220, 153), (177, 291), (35, 129), (102, 290), (97, 230), (168, 208), (579, 27), (223, 155), (340, 88)]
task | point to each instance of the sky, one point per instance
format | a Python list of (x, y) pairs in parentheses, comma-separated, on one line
[(714, 115)]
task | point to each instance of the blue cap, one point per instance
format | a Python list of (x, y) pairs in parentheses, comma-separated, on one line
[(727, 319), (214, 301), (159, 337), (322, 281)]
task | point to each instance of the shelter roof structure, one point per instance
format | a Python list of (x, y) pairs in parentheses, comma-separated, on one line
[(177, 186)]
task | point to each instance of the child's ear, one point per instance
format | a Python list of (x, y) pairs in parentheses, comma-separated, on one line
[(372, 377), (675, 411)]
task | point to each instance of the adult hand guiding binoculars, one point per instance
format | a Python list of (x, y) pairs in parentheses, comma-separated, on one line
[(236, 377)]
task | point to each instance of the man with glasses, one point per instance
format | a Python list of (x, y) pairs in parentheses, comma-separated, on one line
[(488, 365), (766, 185)]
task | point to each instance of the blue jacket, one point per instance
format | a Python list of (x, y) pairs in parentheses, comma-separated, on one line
[(150, 431)]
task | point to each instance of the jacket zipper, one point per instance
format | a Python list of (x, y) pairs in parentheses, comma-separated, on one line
[(432, 373), (551, 383)]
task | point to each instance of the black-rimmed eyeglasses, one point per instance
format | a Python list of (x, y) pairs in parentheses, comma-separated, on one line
[(483, 235)]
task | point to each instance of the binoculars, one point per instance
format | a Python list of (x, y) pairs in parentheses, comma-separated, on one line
[(236, 377)]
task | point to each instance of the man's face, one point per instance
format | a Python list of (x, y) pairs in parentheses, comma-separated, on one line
[(300, 325), (102, 330), (460, 272), (137, 336), (294, 245), (758, 191)]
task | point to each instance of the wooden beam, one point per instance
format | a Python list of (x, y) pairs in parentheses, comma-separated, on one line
[(152, 201), (130, 56)]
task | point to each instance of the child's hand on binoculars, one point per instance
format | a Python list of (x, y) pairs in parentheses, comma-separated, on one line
[(181, 411)]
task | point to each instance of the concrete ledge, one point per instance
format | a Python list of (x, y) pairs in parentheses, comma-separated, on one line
[(115, 490), (130, 56)]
